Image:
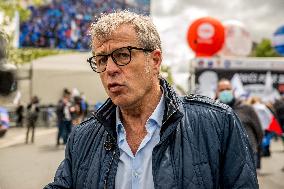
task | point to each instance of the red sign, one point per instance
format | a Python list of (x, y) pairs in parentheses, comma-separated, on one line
[(206, 36)]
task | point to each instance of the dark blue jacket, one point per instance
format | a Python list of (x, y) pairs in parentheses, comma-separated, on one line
[(203, 145)]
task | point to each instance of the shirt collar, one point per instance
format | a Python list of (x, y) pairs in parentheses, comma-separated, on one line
[(158, 113)]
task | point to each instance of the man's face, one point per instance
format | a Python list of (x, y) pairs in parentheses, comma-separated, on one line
[(224, 92), (128, 85), (224, 85)]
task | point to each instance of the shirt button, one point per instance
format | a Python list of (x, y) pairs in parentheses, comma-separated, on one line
[(136, 174)]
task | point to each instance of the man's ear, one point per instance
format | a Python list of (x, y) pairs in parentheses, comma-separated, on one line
[(156, 56)]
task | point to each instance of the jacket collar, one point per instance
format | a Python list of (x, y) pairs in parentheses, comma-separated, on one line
[(173, 109), (106, 114), (172, 101)]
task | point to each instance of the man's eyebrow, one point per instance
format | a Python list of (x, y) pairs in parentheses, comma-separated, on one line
[(99, 53)]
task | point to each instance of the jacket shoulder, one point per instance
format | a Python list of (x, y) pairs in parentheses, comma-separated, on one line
[(205, 101), (88, 121), (90, 125)]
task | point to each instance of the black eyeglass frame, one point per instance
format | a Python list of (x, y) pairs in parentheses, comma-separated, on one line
[(129, 48)]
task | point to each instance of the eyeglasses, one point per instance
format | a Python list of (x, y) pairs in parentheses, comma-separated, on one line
[(120, 57)]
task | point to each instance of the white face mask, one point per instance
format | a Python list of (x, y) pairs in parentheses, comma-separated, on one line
[(226, 96)]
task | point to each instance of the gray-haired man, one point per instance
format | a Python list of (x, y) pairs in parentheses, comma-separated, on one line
[(145, 136)]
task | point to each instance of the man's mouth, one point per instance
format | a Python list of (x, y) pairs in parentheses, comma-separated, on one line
[(114, 87)]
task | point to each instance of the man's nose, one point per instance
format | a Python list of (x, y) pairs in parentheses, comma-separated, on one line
[(111, 66)]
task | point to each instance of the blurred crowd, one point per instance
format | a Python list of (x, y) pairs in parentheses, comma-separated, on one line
[(72, 108), (262, 121), (64, 23)]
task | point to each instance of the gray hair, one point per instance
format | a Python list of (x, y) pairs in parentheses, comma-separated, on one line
[(147, 34)]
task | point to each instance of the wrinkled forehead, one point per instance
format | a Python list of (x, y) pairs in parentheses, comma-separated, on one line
[(122, 34)]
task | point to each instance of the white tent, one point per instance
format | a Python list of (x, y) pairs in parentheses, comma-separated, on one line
[(50, 75)]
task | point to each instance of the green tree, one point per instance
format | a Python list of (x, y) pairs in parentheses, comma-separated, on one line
[(25, 55), (9, 7), (264, 49), (167, 74)]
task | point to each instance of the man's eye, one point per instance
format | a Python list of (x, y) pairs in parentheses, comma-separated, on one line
[(122, 55), (101, 60), (125, 55)]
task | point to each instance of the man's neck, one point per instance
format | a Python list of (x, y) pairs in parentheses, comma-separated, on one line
[(134, 119), (142, 110)]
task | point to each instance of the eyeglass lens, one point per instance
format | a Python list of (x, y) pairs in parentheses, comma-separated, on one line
[(120, 56)]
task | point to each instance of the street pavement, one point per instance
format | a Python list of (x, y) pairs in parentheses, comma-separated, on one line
[(271, 175), (29, 166), (32, 166)]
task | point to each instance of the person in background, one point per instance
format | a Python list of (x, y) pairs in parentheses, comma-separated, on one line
[(20, 115), (279, 111), (4, 121), (76, 110), (145, 135), (63, 113), (268, 121), (32, 117), (246, 114), (264, 116), (84, 106)]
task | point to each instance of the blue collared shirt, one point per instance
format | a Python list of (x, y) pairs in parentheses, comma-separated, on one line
[(135, 172)]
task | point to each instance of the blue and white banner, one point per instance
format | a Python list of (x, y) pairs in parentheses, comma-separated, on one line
[(278, 40)]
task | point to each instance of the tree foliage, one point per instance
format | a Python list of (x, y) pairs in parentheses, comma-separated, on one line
[(10, 7), (264, 49), (24, 55), (167, 73)]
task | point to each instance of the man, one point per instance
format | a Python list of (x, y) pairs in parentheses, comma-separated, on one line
[(20, 115), (63, 113), (32, 117), (144, 135), (279, 111), (246, 114)]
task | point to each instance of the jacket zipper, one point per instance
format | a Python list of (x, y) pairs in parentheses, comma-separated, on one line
[(108, 170)]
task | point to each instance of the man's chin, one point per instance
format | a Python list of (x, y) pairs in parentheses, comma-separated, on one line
[(117, 99), (121, 102)]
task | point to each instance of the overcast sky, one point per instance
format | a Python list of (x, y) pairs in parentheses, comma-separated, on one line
[(173, 18), (261, 17)]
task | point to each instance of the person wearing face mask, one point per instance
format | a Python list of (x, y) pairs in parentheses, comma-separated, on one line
[(246, 113)]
